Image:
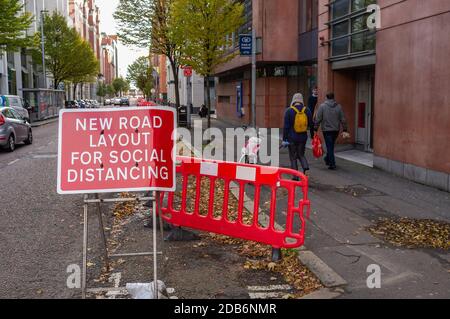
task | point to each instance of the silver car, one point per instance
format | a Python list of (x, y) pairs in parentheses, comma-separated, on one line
[(14, 129)]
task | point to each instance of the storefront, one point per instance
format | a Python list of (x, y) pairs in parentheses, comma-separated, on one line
[(391, 82), (348, 49), (44, 104), (275, 86)]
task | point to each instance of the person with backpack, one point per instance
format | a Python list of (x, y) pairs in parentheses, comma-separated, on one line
[(297, 121), (330, 117)]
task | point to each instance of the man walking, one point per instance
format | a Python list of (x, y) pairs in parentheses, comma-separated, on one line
[(330, 117), (297, 121), (312, 103)]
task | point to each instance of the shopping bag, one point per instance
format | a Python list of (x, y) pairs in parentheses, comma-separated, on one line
[(317, 147)]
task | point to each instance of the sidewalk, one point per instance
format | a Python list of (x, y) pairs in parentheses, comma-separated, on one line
[(44, 122), (345, 202)]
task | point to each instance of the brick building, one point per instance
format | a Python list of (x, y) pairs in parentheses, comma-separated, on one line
[(393, 83), (286, 62)]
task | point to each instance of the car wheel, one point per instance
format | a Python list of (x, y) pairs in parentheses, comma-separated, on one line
[(11, 144), (29, 140)]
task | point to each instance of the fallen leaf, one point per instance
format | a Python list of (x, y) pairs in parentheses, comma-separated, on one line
[(271, 266)]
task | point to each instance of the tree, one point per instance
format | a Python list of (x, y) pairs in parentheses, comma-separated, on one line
[(101, 90), (134, 22), (140, 73), (204, 34), (13, 24), (120, 85), (147, 24), (67, 56), (163, 41), (85, 71), (109, 90)]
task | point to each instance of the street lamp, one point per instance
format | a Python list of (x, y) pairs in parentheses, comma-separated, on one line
[(43, 47)]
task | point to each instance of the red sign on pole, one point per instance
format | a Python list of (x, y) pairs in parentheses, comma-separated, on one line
[(116, 150), (187, 71)]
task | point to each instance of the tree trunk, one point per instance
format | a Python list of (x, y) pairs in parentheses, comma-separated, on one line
[(175, 73), (75, 90)]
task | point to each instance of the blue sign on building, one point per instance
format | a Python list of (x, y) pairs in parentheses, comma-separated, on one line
[(245, 44)]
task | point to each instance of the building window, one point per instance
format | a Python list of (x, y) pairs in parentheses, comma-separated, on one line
[(350, 35), (224, 99), (12, 85), (308, 15)]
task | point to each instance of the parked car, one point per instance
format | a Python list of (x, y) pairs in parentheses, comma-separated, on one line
[(81, 104), (107, 102), (88, 104), (125, 101), (95, 104), (72, 105), (117, 101), (14, 129), (17, 103)]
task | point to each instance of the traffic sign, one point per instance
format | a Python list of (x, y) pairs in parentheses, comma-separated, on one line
[(116, 150), (245, 44), (187, 71)]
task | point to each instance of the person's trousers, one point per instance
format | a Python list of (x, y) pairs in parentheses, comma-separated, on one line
[(297, 152), (330, 140)]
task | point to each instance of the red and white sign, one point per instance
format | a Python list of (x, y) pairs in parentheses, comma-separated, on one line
[(116, 150), (187, 71)]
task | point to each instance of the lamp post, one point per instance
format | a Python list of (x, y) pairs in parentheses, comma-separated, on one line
[(43, 47)]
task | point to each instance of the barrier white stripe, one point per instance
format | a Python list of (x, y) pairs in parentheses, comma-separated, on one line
[(209, 169), (246, 173)]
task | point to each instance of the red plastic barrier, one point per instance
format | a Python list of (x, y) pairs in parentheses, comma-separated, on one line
[(241, 174)]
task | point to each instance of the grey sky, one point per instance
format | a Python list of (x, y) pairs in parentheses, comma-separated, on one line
[(107, 24)]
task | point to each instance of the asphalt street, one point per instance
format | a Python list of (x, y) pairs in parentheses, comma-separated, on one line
[(40, 231)]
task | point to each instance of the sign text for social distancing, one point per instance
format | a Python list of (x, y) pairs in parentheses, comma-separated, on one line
[(114, 150)]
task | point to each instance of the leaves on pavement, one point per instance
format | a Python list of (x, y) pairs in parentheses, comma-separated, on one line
[(413, 233)]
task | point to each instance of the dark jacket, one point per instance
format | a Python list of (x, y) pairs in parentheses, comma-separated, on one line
[(289, 133), (330, 117), (312, 103)]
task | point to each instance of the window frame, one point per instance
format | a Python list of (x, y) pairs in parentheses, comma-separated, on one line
[(349, 18)]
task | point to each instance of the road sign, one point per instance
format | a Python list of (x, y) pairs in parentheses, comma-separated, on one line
[(245, 44), (187, 71), (116, 150)]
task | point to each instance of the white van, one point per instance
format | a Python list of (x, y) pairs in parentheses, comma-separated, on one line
[(15, 102)]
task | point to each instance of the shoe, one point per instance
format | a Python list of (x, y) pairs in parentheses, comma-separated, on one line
[(327, 163), (333, 168)]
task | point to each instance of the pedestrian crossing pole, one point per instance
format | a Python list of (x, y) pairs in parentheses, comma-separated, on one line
[(253, 78)]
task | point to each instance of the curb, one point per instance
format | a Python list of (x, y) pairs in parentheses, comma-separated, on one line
[(327, 276), (45, 122)]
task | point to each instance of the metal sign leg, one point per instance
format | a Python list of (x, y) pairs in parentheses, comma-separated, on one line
[(85, 244), (102, 232), (155, 253)]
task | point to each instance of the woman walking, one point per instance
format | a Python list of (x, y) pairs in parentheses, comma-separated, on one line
[(297, 121)]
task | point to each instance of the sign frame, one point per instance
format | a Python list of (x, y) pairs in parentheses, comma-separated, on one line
[(115, 190)]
